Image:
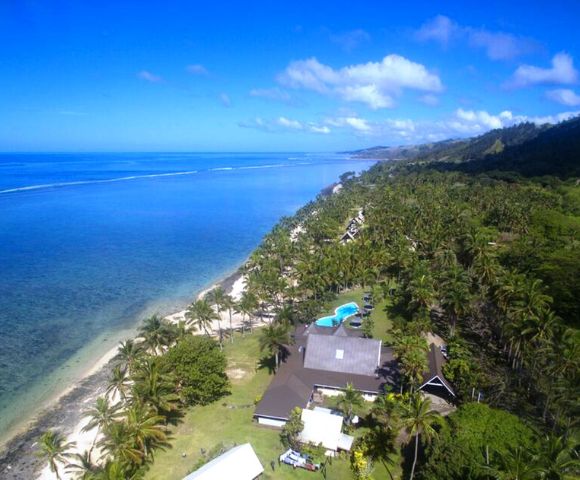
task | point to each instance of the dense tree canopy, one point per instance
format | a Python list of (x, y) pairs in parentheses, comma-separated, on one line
[(199, 368)]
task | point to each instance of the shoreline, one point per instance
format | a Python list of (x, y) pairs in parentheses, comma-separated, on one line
[(63, 410)]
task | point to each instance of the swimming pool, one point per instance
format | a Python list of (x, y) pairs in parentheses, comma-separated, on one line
[(340, 314)]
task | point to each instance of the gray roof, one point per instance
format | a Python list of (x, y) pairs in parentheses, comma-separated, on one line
[(358, 356), (434, 374)]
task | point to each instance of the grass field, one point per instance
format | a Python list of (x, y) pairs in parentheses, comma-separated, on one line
[(229, 421)]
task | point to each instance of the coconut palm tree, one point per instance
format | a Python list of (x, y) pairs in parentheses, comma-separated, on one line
[(200, 315), (516, 463), (156, 334), (119, 382), (217, 297), (456, 295), (146, 429), (82, 466), (247, 306), (54, 449), (154, 387), (418, 418), (557, 459), (229, 304), (129, 353), (273, 339), (348, 401), (101, 415), (117, 443)]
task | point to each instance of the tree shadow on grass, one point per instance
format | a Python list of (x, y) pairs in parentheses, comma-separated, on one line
[(269, 363)]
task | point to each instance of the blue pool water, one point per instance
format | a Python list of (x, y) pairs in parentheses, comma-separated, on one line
[(90, 243), (340, 314)]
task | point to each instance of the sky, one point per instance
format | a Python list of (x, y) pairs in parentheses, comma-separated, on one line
[(279, 76)]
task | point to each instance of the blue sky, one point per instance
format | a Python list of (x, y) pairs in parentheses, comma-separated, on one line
[(279, 76)]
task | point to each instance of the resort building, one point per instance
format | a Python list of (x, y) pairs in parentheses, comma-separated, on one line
[(323, 360), (240, 463)]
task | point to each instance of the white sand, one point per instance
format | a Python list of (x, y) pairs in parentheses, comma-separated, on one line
[(84, 440)]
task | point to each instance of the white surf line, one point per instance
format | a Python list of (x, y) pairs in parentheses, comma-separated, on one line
[(90, 182)]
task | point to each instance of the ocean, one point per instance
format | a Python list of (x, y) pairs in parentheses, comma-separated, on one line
[(92, 243)]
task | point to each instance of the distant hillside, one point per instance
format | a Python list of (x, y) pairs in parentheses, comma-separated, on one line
[(553, 151), (526, 148)]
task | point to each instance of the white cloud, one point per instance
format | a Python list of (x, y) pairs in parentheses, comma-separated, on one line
[(197, 69), (562, 71), (440, 29), (374, 83), (350, 40), (497, 45), (461, 124), (398, 131), (149, 77), (316, 129), (356, 123), (225, 99), (287, 123), (275, 94), (564, 96)]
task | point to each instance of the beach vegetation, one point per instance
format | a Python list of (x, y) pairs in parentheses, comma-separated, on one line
[(54, 448), (198, 367)]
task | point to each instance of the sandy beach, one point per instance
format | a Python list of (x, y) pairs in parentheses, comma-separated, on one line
[(64, 411)]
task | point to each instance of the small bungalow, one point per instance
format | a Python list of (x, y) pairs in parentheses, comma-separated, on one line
[(240, 463)]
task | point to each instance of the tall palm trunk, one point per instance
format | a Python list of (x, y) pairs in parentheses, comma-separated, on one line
[(231, 327), (415, 457)]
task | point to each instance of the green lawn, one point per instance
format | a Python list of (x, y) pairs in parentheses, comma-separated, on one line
[(383, 325), (229, 421)]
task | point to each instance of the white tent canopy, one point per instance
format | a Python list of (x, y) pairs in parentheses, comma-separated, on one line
[(238, 463)]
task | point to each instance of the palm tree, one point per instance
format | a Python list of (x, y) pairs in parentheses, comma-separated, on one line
[(118, 444), (54, 449), (129, 353), (200, 314), (155, 388), (516, 463), (456, 296), (347, 402), (119, 382), (418, 418), (146, 429), (156, 334), (82, 466), (101, 416), (217, 297), (247, 306), (557, 459), (229, 304), (273, 339)]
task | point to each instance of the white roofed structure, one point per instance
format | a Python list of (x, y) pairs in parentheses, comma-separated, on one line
[(323, 428), (238, 463)]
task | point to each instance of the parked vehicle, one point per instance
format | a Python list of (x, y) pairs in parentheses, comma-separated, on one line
[(299, 460)]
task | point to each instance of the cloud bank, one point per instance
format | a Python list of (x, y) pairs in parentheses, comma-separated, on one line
[(375, 84)]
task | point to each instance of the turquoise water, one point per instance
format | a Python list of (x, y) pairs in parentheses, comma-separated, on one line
[(90, 243), (340, 314)]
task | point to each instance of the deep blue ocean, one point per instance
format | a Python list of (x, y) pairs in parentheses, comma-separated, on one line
[(91, 243)]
